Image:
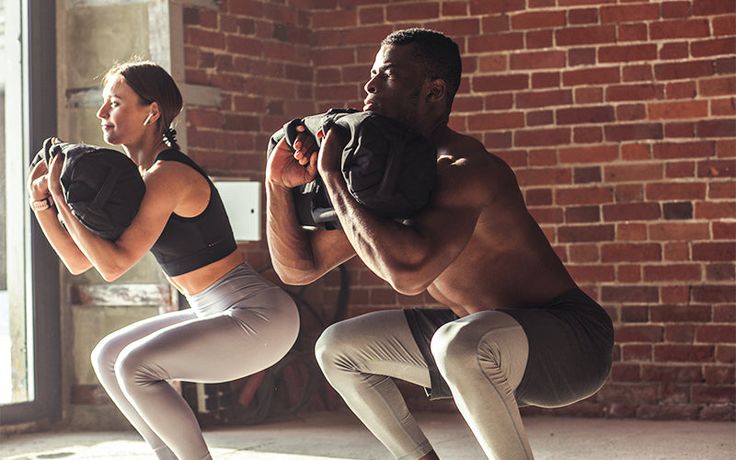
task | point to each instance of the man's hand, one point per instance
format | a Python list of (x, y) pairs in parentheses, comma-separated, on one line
[(286, 170), (330, 154)]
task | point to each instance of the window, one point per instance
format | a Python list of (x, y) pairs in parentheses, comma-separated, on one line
[(29, 270)]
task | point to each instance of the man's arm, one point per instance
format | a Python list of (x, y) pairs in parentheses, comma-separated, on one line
[(409, 256), (298, 256)]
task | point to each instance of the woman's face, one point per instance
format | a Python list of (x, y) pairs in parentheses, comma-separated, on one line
[(122, 115)]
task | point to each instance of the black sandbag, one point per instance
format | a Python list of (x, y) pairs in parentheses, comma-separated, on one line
[(103, 187), (387, 167)]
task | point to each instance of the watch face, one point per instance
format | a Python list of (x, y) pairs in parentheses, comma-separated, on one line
[(40, 205)]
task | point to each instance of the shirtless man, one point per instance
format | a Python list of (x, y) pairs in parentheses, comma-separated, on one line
[(518, 331)]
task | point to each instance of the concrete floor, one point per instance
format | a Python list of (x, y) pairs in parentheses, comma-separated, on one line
[(339, 436)]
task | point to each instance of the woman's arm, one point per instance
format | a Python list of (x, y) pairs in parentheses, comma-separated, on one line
[(74, 260), (113, 258)]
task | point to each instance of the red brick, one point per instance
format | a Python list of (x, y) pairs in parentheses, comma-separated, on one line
[(627, 54), (496, 42), (724, 46), (669, 150), (454, 8), (679, 313), (628, 193), (585, 35), (621, 372), (675, 110), (679, 231), (679, 130), (716, 128), (679, 251), (681, 272), (584, 195), (412, 11), (631, 112), (543, 98), (631, 211), (583, 115), (628, 273), (495, 121), (635, 353), (678, 50), (625, 132), (680, 90), (725, 354), (545, 79), (721, 86), (715, 210), (682, 70), (587, 135), (716, 333), (547, 215), (680, 333), (633, 172), (593, 154), (540, 118), (588, 95), (677, 211), (724, 25), (713, 394), (632, 32), (587, 175), (635, 313), (500, 83), (631, 232), (580, 253), (538, 60), (720, 272), (582, 214), (484, 7), (335, 18), (723, 107), (680, 169), (592, 273), (629, 294), (677, 9), (599, 75), (493, 63), (647, 334), (684, 353), (719, 375), (725, 251), (671, 373), (372, 15), (583, 16), (631, 252), (585, 233), (638, 72), (538, 20), (686, 28), (714, 293), (580, 56), (675, 191), (712, 7), (636, 152), (721, 190), (629, 13), (634, 92), (724, 230), (540, 137)]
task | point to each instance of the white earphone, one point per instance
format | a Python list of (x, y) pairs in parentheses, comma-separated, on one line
[(148, 119)]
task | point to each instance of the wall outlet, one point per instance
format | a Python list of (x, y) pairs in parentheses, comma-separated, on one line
[(242, 201)]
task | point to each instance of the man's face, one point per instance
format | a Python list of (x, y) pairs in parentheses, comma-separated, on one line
[(396, 84)]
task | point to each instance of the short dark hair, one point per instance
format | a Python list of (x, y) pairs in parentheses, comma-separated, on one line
[(152, 83), (438, 53)]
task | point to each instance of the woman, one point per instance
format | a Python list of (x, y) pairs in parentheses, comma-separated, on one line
[(238, 323)]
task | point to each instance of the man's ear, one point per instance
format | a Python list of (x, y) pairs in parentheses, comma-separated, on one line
[(437, 90)]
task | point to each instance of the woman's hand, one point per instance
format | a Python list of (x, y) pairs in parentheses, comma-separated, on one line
[(54, 175), (37, 183)]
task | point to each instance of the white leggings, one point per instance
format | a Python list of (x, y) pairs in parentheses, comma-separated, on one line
[(481, 356), (237, 327)]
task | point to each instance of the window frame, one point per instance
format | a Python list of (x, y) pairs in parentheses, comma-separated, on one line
[(37, 119)]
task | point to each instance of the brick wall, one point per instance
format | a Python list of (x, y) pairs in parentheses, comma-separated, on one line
[(617, 117)]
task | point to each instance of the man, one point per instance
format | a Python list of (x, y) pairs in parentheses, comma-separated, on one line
[(518, 330)]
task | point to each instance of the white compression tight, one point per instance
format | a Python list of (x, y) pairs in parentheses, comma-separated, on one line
[(256, 325), (481, 356)]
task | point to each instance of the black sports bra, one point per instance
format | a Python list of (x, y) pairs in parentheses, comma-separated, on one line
[(189, 243)]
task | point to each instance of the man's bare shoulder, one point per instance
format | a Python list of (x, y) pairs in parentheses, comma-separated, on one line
[(466, 168)]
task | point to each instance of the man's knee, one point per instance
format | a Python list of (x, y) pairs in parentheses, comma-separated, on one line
[(331, 345), (453, 348)]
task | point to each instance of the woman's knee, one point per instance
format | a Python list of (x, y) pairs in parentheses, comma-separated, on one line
[(105, 353)]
